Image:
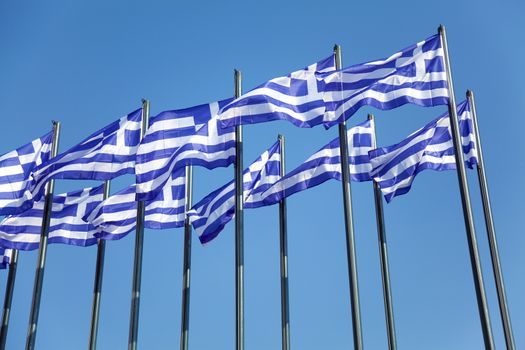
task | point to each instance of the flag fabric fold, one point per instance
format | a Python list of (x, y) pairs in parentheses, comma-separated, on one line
[(22, 231), (186, 137), (431, 147), (325, 164), (116, 216), (106, 154), (296, 97), (213, 212), (16, 168), (414, 75)]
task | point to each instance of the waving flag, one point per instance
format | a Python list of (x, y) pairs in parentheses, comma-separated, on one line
[(325, 164), (5, 257), (431, 147), (16, 168), (22, 231), (117, 215), (414, 75), (213, 212), (106, 154), (296, 97), (170, 144)]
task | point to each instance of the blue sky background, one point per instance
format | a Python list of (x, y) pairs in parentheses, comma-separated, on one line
[(88, 63)]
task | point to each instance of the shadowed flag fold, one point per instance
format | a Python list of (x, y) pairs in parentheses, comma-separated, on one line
[(414, 75), (23, 231), (431, 147), (213, 212), (190, 136), (106, 154), (16, 168)]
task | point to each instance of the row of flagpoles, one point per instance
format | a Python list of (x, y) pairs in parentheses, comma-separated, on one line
[(239, 197)]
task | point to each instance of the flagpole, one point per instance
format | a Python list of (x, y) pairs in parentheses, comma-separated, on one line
[(8, 298), (185, 321), (42, 248), (349, 224), (97, 288), (491, 231), (465, 199), (239, 226), (137, 263), (283, 238), (383, 255)]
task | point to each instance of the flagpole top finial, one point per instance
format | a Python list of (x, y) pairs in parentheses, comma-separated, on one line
[(144, 100), (441, 28), (280, 137), (470, 93), (337, 47), (370, 116), (55, 122)]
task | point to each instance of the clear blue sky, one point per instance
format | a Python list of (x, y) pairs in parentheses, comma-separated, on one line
[(87, 63)]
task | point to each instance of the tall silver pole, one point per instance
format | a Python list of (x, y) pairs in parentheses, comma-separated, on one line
[(383, 255), (349, 225), (186, 269), (8, 298), (283, 239), (465, 200), (137, 264), (491, 232), (239, 226), (42, 249), (97, 287)]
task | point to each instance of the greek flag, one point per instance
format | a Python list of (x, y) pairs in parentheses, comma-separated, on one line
[(16, 168), (414, 75), (22, 231), (104, 155), (213, 212), (5, 257), (117, 215), (325, 164), (187, 137), (431, 147), (296, 97)]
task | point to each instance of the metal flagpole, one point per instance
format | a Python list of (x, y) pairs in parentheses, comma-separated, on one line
[(465, 200), (239, 226), (349, 224), (383, 255), (137, 264), (283, 238), (8, 298), (97, 288), (42, 249), (185, 321), (491, 232)]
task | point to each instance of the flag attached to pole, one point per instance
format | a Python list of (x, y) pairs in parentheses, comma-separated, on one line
[(413, 75), (296, 97), (325, 164), (22, 231), (213, 212), (431, 147), (16, 168), (167, 147), (115, 217), (106, 154)]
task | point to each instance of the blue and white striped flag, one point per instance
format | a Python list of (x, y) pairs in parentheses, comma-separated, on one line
[(296, 97), (213, 212), (5, 257), (22, 231), (106, 154), (414, 75), (325, 164), (16, 168), (431, 147), (117, 215), (170, 144)]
